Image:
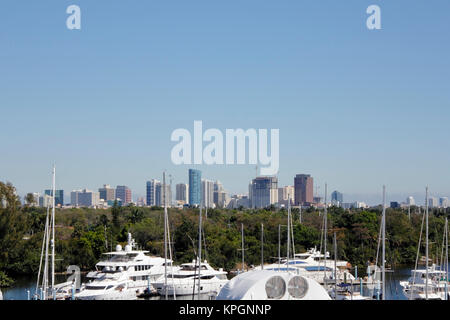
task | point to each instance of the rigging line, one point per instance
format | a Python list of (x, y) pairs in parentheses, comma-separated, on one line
[(170, 257), (417, 255), (42, 251)]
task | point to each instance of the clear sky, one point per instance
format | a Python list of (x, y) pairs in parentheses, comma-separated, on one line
[(355, 108)]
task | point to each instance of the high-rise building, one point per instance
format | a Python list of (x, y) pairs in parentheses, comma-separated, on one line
[(220, 197), (337, 198), (263, 192), (195, 187), (410, 201), (153, 195), (45, 201), (123, 193), (59, 196), (304, 189), (207, 193), (107, 193), (432, 202), (285, 193), (443, 202), (74, 197), (182, 192), (88, 198)]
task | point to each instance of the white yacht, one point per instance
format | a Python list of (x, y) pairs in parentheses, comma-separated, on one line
[(415, 287), (185, 280), (124, 269), (1, 295), (272, 285)]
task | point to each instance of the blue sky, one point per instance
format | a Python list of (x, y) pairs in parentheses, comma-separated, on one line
[(355, 108)]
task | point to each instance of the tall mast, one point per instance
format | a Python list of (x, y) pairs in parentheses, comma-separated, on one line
[(325, 229), (300, 215), (426, 246), (199, 247), (53, 226), (165, 236), (446, 258), (279, 246), (242, 243), (335, 267), (288, 232), (383, 226), (262, 246)]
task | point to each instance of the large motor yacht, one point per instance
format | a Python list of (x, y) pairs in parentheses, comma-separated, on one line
[(185, 280), (127, 270)]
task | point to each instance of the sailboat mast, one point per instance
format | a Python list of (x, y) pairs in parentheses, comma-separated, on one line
[(262, 246), (446, 258), (383, 224), (165, 236), (242, 244), (199, 248), (325, 229), (426, 246), (288, 232), (335, 266), (53, 227), (279, 246)]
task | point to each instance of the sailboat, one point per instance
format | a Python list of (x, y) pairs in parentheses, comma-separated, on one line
[(423, 283), (46, 290)]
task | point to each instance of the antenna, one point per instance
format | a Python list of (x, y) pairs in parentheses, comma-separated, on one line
[(383, 266)]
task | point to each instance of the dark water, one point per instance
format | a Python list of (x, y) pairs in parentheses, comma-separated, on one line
[(19, 290)]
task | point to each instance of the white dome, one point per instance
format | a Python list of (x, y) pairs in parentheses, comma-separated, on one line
[(118, 248), (128, 248)]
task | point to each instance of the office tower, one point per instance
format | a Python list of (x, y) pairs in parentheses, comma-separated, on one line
[(46, 201), (140, 202), (74, 197), (168, 195), (337, 198), (123, 193), (153, 193), (395, 205), (432, 202), (443, 202), (88, 198), (107, 193), (285, 193), (59, 196), (195, 187), (410, 201), (36, 196), (182, 192), (207, 193), (264, 192), (303, 184)]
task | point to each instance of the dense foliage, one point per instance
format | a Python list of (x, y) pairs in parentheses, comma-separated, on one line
[(83, 234)]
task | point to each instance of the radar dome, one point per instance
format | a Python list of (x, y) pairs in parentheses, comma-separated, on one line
[(118, 248)]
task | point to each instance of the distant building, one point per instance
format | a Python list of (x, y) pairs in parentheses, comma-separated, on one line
[(182, 192), (285, 193), (443, 202), (88, 198), (123, 193), (74, 197), (263, 192), (410, 201), (107, 193), (140, 202), (195, 187), (153, 193), (46, 201), (432, 202), (337, 198), (395, 205), (238, 201), (304, 188), (207, 193), (59, 196)]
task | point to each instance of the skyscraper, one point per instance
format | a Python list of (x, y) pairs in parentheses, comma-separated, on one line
[(443, 202), (303, 184), (207, 193), (107, 193), (59, 196), (87, 198), (195, 187), (285, 193), (410, 201), (182, 192), (263, 192), (337, 198), (123, 193), (153, 193), (432, 202)]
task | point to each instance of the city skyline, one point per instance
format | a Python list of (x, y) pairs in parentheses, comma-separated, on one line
[(356, 109)]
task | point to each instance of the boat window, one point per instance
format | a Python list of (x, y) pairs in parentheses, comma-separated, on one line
[(207, 277), (222, 276), (95, 287)]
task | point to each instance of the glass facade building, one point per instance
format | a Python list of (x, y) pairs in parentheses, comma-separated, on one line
[(195, 187)]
